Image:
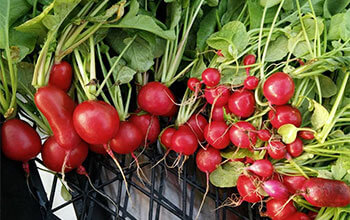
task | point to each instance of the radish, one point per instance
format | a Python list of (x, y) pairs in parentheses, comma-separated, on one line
[(299, 216), (247, 189), (193, 84), (275, 189), (242, 135), (263, 168), (278, 88), (217, 113), (312, 215), (216, 134), (280, 209), (242, 103), (321, 192), (251, 82), (248, 60), (61, 75), (97, 148), (96, 122), (157, 99), (217, 96), (148, 125), (58, 159), (295, 148), (184, 141), (284, 114), (276, 150), (264, 135), (197, 123), (207, 161), (128, 138), (306, 135), (166, 135), (293, 183), (19, 141), (211, 77)]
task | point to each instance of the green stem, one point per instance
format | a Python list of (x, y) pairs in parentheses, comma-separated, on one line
[(262, 76), (4, 79)]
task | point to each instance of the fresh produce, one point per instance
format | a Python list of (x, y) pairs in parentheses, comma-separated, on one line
[(61, 75)]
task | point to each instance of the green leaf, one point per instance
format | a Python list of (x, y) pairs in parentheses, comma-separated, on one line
[(122, 74), (212, 3), (300, 49), (233, 153), (288, 132), (231, 39), (320, 116), (232, 77), (325, 174), (206, 28), (312, 30), (328, 87), (174, 12), (65, 193), (269, 3), (256, 13), (277, 49), (340, 27), (332, 7), (198, 68), (25, 74), (226, 175)]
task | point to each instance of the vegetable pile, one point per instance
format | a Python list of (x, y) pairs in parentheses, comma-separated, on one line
[(257, 92)]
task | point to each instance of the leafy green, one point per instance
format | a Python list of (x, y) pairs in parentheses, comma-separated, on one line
[(277, 49), (340, 27), (206, 28), (332, 7), (269, 3), (65, 193), (234, 153), (256, 13), (288, 132), (328, 87), (226, 175), (319, 116)]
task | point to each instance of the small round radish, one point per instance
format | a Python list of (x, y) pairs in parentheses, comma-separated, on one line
[(276, 150), (197, 123), (208, 159), (96, 122), (242, 134), (299, 216), (251, 82), (321, 192), (293, 183), (184, 141), (242, 103), (156, 98), (218, 113), (216, 134), (306, 135), (296, 148), (166, 136), (263, 168), (278, 88), (248, 60), (148, 125), (312, 215), (279, 209), (247, 189), (219, 95), (53, 155), (61, 75), (97, 148), (284, 114), (264, 135), (193, 84), (211, 77), (19, 141), (128, 138), (275, 189)]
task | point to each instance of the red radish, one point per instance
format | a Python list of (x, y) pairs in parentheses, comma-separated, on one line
[(295, 148), (166, 136), (298, 216), (306, 135), (251, 82), (97, 148), (275, 189), (219, 53), (263, 168), (156, 98), (58, 109), (218, 113), (293, 183), (197, 123), (248, 60), (276, 150), (279, 209), (278, 88), (19, 141), (61, 75), (247, 189), (264, 135), (321, 192), (127, 139), (184, 141), (208, 159), (53, 155), (242, 103), (193, 84), (96, 122), (148, 125), (242, 134), (211, 77), (284, 114), (219, 95), (216, 134), (172, 112), (312, 215)]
